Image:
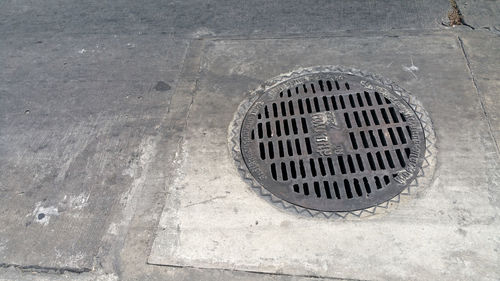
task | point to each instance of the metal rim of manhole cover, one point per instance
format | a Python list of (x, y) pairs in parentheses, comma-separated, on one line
[(332, 141)]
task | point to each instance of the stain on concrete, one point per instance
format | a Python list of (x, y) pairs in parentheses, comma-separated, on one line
[(162, 86), (43, 214)]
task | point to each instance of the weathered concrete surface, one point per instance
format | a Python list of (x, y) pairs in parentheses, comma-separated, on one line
[(212, 219), (154, 273), (484, 64), (481, 14), (194, 18), (11, 273), (87, 131), (78, 120)]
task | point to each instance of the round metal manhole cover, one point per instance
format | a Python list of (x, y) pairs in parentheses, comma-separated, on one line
[(332, 141)]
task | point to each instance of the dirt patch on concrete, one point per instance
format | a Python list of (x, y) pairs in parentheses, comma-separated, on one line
[(455, 15)]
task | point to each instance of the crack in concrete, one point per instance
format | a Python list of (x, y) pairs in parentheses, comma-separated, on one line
[(44, 269), (200, 48), (205, 201), (478, 92), (311, 276)]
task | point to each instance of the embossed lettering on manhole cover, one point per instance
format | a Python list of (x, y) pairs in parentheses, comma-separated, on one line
[(331, 140)]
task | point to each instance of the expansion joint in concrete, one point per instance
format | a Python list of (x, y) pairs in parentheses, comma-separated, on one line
[(479, 94), (43, 269)]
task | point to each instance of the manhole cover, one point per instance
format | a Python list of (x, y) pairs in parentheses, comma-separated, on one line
[(332, 141)]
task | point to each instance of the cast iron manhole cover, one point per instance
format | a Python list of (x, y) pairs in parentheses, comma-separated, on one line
[(332, 140)]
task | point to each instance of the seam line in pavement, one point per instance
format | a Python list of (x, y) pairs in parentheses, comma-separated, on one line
[(262, 273), (263, 36), (42, 269), (478, 92), (180, 108)]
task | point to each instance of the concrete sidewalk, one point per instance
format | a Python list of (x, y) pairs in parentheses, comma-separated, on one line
[(113, 129)]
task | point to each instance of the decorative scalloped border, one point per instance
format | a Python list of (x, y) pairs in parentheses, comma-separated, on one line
[(423, 178)]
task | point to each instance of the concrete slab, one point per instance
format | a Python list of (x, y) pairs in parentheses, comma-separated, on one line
[(484, 65), (195, 18), (448, 232), (481, 14), (78, 120)]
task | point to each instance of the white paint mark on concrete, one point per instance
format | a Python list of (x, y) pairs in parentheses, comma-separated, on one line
[(411, 68), (43, 214), (140, 161), (113, 229), (74, 202), (138, 168), (78, 202), (200, 32), (3, 245), (82, 51), (75, 260)]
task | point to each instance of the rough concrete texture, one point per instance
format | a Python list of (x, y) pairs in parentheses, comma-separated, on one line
[(195, 18), (213, 219), (11, 273), (481, 15), (106, 107), (477, 51), (78, 117)]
